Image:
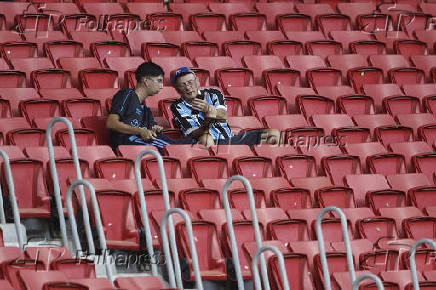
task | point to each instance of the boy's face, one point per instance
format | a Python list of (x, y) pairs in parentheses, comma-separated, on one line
[(154, 84), (187, 86)]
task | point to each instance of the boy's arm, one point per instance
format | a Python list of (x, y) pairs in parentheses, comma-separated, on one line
[(113, 123)]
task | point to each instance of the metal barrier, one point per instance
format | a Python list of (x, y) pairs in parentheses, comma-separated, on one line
[(54, 176), (376, 279), (232, 238), (322, 254), (148, 236), (413, 262), (12, 198), (163, 233), (97, 219), (282, 267)]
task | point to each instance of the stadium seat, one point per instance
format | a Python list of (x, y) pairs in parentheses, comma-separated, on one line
[(264, 106), (245, 93), (62, 48), (233, 77), (211, 263), (264, 37), (415, 120), (294, 22), (272, 10), (323, 48), (183, 153), (11, 50), (179, 37), (353, 105), (367, 47), (296, 166), (74, 65), (39, 108), (228, 9), (88, 37), (104, 49), (202, 22), (361, 185), (219, 37), (291, 93), (50, 79), (337, 166), (13, 79), (361, 76), (98, 125), (405, 182), (395, 105), (310, 105), (117, 209), (333, 22), (400, 214), (247, 21), (32, 198), (425, 63), (253, 167), (380, 91), (186, 9), (346, 37), (346, 62), (123, 64), (389, 38), (389, 134), (410, 47), (213, 63), (419, 228), (171, 63), (194, 49), (421, 196), (303, 63), (405, 76), (28, 65)]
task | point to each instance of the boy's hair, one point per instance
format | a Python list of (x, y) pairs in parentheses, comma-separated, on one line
[(148, 69)]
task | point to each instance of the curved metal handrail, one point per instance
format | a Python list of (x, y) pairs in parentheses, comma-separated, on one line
[(413, 262), (371, 276), (282, 268), (97, 218), (13, 200), (55, 178), (232, 238), (148, 236), (322, 254), (163, 233)]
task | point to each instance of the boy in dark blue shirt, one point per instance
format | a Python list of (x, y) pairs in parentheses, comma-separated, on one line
[(130, 120)]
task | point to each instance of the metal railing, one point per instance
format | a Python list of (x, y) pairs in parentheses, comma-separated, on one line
[(55, 178), (13, 200), (322, 253), (232, 238), (282, 268), (98, 223), (144, 216), (193, 249), (370, 276), (413, 262)]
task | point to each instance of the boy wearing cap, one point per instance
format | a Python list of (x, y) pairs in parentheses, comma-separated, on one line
[(202, 114), (130, 120)]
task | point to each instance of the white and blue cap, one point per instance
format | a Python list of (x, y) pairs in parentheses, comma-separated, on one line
[(180, 72)]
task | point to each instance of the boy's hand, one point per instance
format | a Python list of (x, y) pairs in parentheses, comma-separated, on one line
[(147, 135), (157, 129)]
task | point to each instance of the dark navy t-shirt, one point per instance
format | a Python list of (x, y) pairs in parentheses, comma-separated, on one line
[(126, 104)]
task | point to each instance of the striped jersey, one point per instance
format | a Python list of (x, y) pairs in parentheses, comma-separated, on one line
[(189, 120)]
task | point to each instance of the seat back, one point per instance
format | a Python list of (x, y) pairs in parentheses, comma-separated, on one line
[(291, 198), (253, 167), (420, 227), (377, 228), (288, 230), (196, 199), (296, 270), (341, 197)]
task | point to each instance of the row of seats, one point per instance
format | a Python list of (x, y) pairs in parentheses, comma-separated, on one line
[(338, 129), (55, 267), (333, 180), (264, 71), (231, 16)]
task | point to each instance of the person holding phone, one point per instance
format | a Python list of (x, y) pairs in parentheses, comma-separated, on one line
[(202, 115)]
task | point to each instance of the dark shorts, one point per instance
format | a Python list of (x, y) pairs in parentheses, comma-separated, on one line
[(250, 138)]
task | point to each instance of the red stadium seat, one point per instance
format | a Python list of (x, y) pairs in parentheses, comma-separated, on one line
[(367, 47), (208, 22), (50, 79)]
